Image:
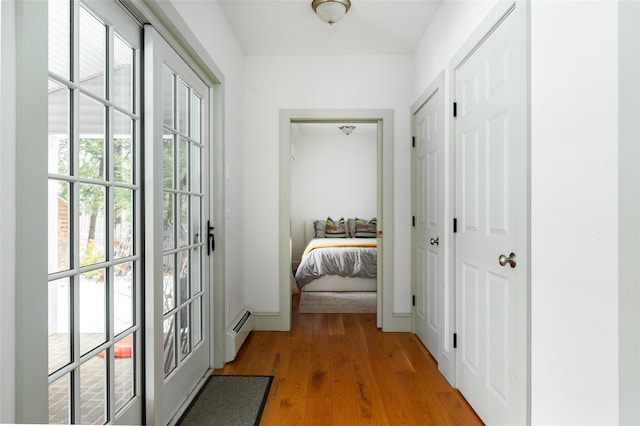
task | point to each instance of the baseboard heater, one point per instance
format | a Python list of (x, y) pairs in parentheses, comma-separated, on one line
[(237, 333)]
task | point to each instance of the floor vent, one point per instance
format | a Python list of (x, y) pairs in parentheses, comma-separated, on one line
[(237, 333)]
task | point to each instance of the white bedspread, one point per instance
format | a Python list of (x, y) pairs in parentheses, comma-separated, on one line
[(347, 257)]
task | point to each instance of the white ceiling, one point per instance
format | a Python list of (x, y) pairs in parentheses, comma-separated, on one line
[(290, 27)]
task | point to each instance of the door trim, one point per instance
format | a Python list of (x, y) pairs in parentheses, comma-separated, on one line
[(484, 30), (8, 116)]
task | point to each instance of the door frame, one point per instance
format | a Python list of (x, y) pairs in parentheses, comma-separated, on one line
[(493, 19), (384, 118), (8, 128), (629, 212)]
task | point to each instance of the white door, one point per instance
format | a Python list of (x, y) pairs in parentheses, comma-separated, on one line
[(428, 230), (491, 209), (94, 214), (177, 146)]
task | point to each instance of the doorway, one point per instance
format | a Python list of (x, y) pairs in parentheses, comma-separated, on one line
[(384, 121), (334, 175)]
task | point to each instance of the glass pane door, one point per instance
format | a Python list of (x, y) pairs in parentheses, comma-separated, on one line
[(180, 144), (94, 220)]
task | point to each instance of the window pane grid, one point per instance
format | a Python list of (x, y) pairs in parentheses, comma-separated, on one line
[(94, 171), (58, 82), (182, 186), (97, 351)]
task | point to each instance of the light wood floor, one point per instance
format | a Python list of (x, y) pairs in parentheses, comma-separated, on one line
[(339, 369)]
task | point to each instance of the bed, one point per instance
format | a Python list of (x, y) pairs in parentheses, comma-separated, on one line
[(346, 263)]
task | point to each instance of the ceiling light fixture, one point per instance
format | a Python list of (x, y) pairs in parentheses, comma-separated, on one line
[(347, 129), (331, 11)]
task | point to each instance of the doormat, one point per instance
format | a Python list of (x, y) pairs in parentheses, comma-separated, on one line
[(229, 400), (356, 302)]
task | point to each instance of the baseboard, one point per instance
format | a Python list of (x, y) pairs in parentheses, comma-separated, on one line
[(399, 322), (269, 321)]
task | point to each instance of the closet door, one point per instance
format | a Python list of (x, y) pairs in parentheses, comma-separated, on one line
[(428, 230), (491, 145)]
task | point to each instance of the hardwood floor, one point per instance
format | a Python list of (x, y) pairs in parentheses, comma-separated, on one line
[(339, 369)]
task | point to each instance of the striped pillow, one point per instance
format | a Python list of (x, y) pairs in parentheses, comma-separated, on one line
[(335, 229), (366, 228)]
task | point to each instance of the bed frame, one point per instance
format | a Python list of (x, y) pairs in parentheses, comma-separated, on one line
[(338, 283)]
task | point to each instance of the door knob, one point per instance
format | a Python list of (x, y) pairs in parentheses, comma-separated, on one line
[(435, 241), (504, 260)]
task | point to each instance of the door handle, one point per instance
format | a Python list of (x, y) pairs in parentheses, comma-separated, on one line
[(504, 260), (211, 239), (435, 241)]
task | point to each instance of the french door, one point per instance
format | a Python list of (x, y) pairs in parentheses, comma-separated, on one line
[(94, 214), (177, 196), (96, 218)]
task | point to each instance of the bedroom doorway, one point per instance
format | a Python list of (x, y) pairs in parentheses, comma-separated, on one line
[(381, 123), (334, 181)]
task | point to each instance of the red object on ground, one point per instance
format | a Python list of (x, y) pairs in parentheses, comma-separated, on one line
[(121, 349)]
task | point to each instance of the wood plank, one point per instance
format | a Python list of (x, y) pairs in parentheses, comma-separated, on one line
[(341, 369)]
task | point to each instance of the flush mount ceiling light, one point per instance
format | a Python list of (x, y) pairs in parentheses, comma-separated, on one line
[(331, 11), (347, 129)]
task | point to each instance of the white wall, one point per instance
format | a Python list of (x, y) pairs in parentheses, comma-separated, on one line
[(574, 212), (316, 82), (207, 21), (332, 175), (450, 27)]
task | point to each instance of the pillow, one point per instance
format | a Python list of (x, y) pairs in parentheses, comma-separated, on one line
[(365, 229), (335, 229), (351, 227), (319, 227)]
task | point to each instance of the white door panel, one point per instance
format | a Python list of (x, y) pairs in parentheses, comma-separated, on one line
[(428, 232), (178, 170), (491, 208)]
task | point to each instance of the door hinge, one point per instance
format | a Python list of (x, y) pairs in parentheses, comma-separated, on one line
[(413, 221), (455, 109), (455, 225), (413, 300), (455, 340), (413, 141)]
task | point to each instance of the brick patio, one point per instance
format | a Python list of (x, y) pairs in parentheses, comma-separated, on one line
[(92, 382)]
